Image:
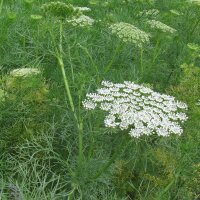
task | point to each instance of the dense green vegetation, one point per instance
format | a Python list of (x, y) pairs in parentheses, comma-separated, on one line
[(53, 148)]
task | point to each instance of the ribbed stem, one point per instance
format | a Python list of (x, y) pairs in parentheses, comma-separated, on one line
[(67, 88), (60, 61)]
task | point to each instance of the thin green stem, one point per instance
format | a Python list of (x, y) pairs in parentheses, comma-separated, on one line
[(61, 39), (110, 162), (71, 193), (71, 66), (108, 67), (67, 88), (80, 142), (141, 61), (155, 53), (167, 188), (91, 139), (91, 59), (60, 61)]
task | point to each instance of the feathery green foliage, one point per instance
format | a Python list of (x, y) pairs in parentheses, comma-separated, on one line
[(50, 146)]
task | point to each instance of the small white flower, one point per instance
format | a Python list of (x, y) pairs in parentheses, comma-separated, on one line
[(119, 85), (110, 121), (105, 106), (145, 90), (181, 105), (181, 116), (90, 105), (127, 90), (104, 91)]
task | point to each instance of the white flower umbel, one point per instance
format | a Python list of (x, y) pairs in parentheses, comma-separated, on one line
[(24, 72), (154, 24), (129, 33), (138, 109), (81, 21)]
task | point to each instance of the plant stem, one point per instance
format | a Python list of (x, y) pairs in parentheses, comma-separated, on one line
[(141, 61), (60, 61), (80, 142), (107, 69), (91, 59), (67, 88), (71, 65), (155, 53)]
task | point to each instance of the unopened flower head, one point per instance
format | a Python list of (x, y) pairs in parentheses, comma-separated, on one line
[(198, 103), (154, 24), (130, 33), (60, 9), (24, 72), (137, 109), (81, 21)]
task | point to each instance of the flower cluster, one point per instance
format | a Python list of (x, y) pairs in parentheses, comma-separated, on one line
[(60, 9), (154, 24), (24, 72), (130, 33), (149, 13), (138, 109), (81, 21)]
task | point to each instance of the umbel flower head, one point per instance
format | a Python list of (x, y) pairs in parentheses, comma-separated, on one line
[(138, 109), (154, 24), (82, 21), (60, 9), (130, 33)]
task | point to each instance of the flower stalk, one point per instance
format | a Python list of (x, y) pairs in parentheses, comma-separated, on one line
[(67, 88)]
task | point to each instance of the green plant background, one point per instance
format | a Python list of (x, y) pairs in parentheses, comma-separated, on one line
[(38, 132)]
